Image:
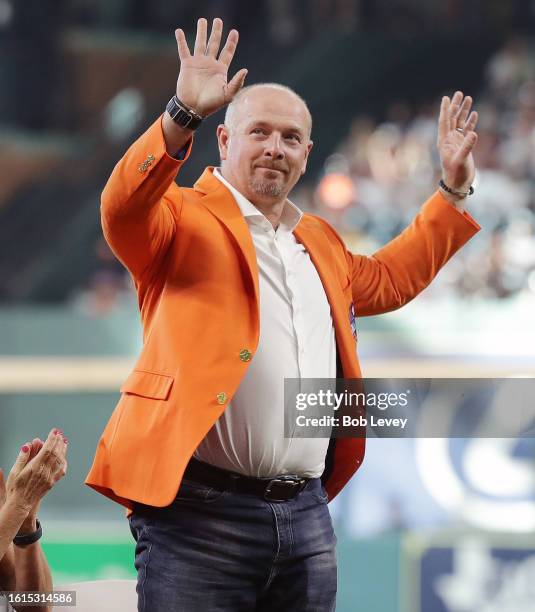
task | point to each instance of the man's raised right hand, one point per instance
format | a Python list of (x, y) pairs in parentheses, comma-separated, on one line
[(202, 82)]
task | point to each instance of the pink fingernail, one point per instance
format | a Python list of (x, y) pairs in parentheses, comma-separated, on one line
[(25, 448)]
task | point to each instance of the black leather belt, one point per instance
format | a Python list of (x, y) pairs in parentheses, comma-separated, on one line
[(281, 488)]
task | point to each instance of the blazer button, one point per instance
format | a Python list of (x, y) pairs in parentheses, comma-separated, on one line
[(221, 398), (245, 355)]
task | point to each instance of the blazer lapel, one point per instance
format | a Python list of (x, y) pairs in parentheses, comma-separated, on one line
[(313, 240), (220, 202), (310, 234)]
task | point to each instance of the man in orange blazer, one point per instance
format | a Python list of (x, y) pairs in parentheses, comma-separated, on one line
[(238, 289)]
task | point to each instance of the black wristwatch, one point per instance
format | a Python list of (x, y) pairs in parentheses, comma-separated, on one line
[(182, 115), (29, 538)]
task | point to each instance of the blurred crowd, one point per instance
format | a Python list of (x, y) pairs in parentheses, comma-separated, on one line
[(36, 28), (375, 182)]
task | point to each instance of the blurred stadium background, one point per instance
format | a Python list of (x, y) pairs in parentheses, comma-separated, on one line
[(426, 525)]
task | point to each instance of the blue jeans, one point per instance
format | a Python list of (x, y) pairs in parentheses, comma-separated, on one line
[(213, 550)]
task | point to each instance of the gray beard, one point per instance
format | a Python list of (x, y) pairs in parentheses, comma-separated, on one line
[(273, 190)]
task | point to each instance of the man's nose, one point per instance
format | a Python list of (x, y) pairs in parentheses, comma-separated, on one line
[(273, 147)]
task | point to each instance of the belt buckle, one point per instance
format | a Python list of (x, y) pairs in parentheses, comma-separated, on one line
[(291, 483)]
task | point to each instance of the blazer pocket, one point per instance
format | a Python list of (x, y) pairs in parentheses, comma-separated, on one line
[(148, 384)]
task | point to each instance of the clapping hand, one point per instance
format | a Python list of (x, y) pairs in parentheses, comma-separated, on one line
[(36, 470)]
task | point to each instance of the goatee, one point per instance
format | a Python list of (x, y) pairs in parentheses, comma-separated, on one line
[(270, 188)]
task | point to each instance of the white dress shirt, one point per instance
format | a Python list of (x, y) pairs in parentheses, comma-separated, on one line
[(296, 341)]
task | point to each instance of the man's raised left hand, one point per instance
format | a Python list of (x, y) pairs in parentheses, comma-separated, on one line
[(456, 141)]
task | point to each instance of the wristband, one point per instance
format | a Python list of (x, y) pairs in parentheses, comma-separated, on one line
[(29, 538), (461, 194), (182, 115)]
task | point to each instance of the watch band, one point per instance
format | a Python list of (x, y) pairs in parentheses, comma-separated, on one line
[(182, 115), (29, 538)]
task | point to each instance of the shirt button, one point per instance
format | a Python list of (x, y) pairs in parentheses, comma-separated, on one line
[(245, 355), (221, 397)]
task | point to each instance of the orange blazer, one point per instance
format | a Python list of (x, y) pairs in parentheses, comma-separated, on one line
[(194, 266)]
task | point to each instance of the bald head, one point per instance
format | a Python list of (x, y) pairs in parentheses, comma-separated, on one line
[(264, 144), (248, 96)]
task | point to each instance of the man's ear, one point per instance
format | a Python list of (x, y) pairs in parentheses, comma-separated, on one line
[(223, 138), (307, 152)]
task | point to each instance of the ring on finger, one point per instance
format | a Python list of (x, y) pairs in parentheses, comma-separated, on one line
[(460, 129)]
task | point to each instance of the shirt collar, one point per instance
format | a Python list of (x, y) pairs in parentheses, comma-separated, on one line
[(290, 217)]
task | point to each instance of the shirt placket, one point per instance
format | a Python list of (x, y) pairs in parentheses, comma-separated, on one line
[(282, 250)]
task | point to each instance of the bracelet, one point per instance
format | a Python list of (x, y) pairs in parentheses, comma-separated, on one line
[(29, 538), (461, 194)]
